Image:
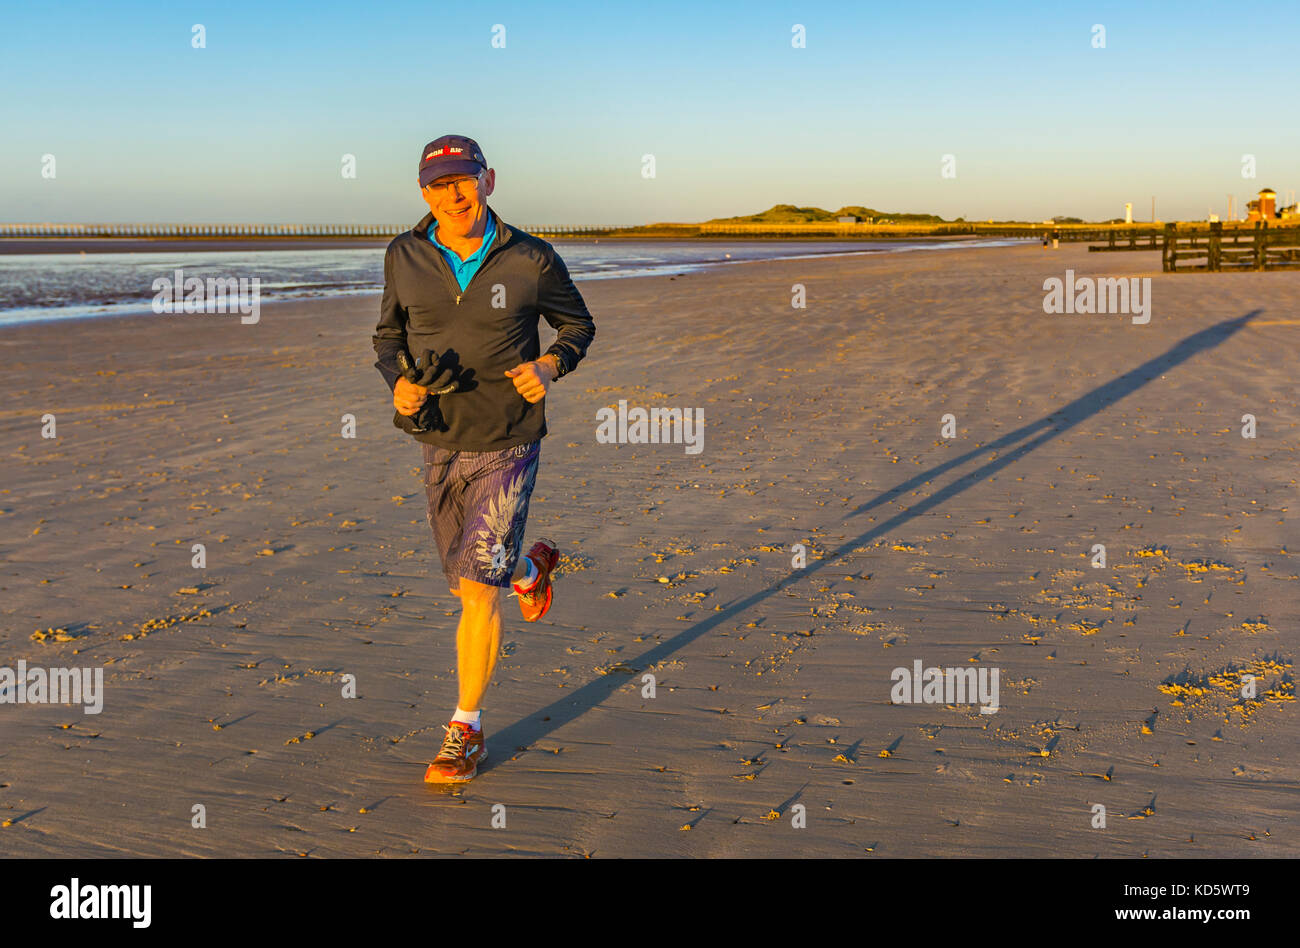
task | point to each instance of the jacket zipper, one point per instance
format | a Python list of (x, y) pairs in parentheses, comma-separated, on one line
[(451, 280), (447, 275)]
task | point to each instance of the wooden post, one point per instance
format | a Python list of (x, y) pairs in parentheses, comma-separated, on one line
[(1216, 237), (1260, 231), (1170, 255)]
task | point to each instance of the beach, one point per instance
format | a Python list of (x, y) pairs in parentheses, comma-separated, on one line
[(771, 731)]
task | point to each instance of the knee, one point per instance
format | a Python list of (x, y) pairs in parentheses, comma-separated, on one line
[(475, 595)]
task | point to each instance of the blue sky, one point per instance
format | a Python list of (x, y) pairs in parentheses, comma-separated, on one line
[(144, 127)]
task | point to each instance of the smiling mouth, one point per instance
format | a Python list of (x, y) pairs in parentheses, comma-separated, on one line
[(461, 213)]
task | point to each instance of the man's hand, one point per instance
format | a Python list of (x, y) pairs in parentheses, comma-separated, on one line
[(408, 397), (533, 379)]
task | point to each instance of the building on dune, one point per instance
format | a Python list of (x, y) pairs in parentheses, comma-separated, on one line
[(1264, 208)]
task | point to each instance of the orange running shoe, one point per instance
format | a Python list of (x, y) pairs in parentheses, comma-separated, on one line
[(462, 750), (534, 602)]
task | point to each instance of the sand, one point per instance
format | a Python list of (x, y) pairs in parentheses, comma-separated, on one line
[(224, 686)]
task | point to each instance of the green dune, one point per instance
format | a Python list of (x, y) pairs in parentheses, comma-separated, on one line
[(792, 214)]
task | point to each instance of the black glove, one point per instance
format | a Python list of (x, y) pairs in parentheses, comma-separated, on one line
[(433, 373), (428, 372)]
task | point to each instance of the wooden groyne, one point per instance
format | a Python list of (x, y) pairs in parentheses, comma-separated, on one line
[(1214, 247), (1150, 240), (1258, 248)]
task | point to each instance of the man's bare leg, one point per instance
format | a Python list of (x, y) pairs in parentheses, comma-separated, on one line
[(478, 637), (478, 641)]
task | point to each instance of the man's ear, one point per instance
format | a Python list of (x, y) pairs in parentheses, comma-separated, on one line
[(489, 182)]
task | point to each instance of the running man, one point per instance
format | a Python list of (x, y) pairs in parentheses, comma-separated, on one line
[(457, 343)]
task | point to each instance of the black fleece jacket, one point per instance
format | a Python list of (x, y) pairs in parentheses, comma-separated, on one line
[(482, 331)]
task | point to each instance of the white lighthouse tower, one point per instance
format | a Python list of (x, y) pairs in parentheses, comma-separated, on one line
[(1128, 213)]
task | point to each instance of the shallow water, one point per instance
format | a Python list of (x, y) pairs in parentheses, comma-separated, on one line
[(37, 287)]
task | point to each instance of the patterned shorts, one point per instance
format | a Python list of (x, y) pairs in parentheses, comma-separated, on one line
[(478, 503)]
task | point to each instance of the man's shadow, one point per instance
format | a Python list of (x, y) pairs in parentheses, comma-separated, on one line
[(1016, 444)]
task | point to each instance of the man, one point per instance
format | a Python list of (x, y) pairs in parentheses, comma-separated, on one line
[(462, 295)]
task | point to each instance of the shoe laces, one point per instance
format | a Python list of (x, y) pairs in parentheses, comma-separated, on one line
[(453, 745)]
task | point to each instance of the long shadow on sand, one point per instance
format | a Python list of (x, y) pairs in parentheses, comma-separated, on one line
[(1017, 444)]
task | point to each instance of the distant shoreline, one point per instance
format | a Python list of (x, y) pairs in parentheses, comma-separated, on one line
[(13, 246), (695, 233), (104, 285), (34, 245), (94, 238), (686, 233)]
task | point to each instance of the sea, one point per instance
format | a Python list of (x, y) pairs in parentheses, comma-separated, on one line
[(56, 286)]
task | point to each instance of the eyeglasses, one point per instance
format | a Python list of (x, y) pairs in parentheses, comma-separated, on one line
[(462, 185)]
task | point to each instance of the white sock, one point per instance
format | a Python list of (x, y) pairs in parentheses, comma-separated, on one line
[(468, 717), (530, 575)]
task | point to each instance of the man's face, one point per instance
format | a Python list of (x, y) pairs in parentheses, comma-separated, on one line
[(459, 202)]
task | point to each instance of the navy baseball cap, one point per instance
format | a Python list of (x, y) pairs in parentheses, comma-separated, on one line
[(451, 154)]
